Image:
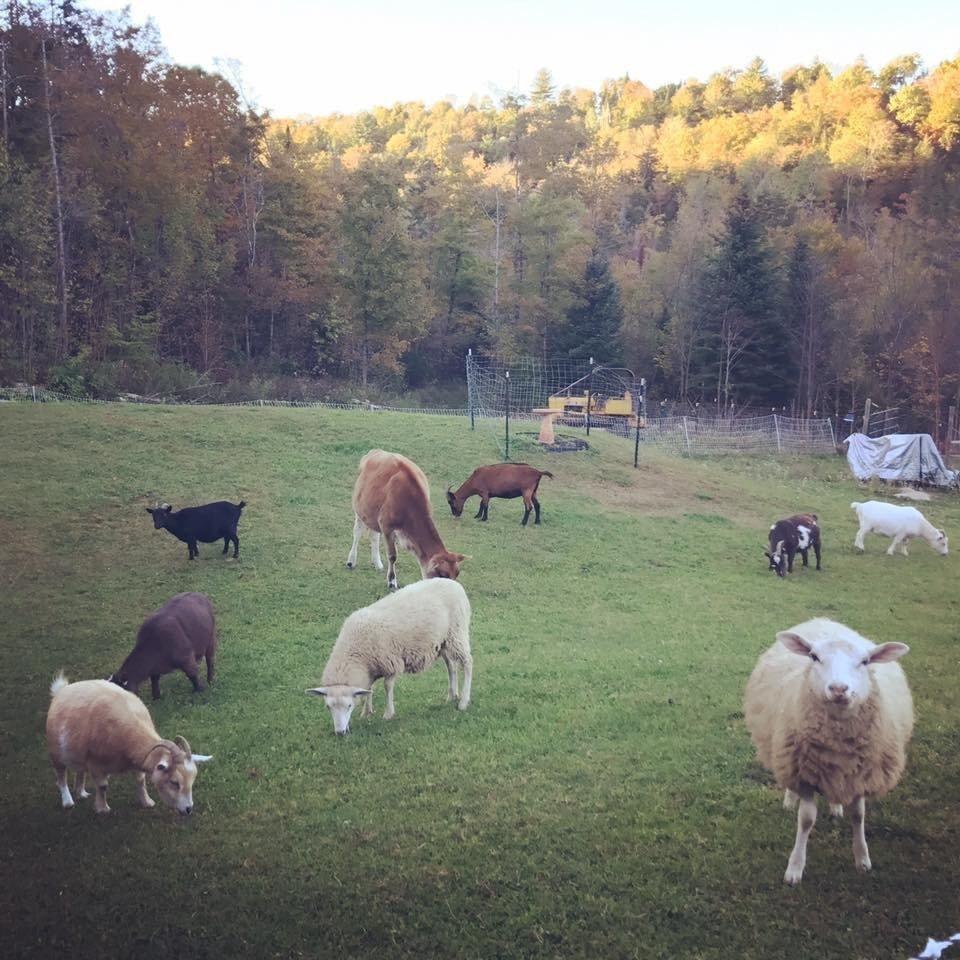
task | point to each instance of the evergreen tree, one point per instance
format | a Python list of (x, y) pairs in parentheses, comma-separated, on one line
[(746, 356), (593, 322)]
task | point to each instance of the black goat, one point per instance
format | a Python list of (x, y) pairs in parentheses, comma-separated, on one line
[(787, 537), (206, 524)]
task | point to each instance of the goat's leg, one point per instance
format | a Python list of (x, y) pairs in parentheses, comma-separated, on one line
[(357, 530), (479, 514), (536, 506), (858, 539), (80, 785), (367, 710), (790, 799), (391, 539), (858, 816), (816, 550), (226, 543), (484, 507), (66, 800), (388, 683), (790, 556), (903, 547), (236, 545), (190, 669), (100, 801), (803, 555), (193, 548), (806, 818), (375, 550), (209, 658), (897, 540), (527, 507), (143, 798), (155, 685)]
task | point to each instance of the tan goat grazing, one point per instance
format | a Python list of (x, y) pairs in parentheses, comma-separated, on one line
[(94, 727), (391, 497), (504, 480)]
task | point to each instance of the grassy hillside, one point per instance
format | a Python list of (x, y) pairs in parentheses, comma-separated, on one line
[(600, 797)]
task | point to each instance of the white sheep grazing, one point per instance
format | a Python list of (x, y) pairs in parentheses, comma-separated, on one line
[(830, 713), (405, 632), (901, 523), (95, 727)]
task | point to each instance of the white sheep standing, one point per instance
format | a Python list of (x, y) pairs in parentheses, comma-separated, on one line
[(901, 523), (405, 632), (829, 713)]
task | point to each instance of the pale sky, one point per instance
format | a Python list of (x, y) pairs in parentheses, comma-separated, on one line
[(329, 56)]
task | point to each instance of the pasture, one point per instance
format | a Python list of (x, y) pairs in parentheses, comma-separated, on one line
[(600, 797)]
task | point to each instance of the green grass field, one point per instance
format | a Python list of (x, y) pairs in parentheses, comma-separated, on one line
[(600, 797)]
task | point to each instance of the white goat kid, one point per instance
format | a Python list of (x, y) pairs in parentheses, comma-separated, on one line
[(900, 523)]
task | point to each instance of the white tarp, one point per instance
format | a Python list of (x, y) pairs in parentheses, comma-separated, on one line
[(900, 457)]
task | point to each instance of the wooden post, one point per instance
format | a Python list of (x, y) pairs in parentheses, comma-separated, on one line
[(686, 434), (776, 426), (866, 417)]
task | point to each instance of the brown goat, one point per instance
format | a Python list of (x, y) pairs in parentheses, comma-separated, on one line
[(175, 637), (505, 480), (94, 727), (391, 497)]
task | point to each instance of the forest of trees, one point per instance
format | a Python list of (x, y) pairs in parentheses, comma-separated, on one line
[(745, 239)]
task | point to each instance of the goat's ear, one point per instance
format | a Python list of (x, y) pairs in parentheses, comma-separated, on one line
[(887, 652), (767, 554), (794, 643), (460, 557), (168, 509), (148, 511), (360, 693), (202, 757), (317, 691)]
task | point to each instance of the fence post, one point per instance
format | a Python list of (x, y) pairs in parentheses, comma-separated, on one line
[(866, 417), (636, 445), (833, 435), (507, 422), (776, 426), (470, 384), (34, 390), (686, 433), (589, 390)]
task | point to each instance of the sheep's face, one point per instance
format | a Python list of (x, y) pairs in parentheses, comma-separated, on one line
[(445, 565), (940, 544), (173, 774), (456, 506), (340, 700), (839, 669), (159, 515)]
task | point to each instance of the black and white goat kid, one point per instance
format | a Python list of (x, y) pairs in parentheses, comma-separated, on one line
[(790, 536)]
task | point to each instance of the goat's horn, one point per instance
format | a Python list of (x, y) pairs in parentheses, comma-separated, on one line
[(183, 745)]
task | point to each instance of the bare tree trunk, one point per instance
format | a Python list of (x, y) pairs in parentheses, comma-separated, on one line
[(61, 253), (3, 92)]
